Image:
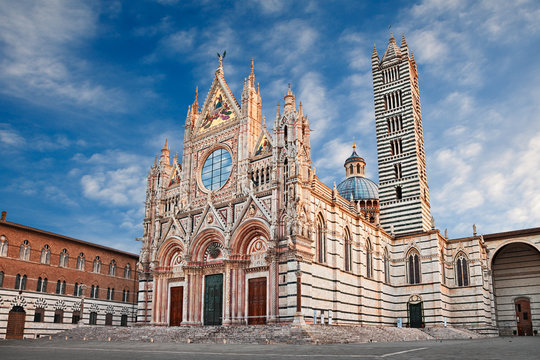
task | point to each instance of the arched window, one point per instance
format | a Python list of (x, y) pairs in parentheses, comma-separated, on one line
[(94, 292), (24, 251), (321, 240), (369, 259), (20, 282), (45, 255), (1, 278), (61, 287), (78, 289), (41, 285), (285, 135), (348, 251), (112, 268), (386, 260), (80, 261), (97, 265), (127, 272), (3, 246), (110, 294), (413, 267), (125, 295), (462, 270), (63, 259)]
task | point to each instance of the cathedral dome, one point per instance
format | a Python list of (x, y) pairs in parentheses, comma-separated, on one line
[(359, 187), (356, 185)]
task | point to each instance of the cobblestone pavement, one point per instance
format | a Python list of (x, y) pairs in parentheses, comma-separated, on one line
[(513, 348)]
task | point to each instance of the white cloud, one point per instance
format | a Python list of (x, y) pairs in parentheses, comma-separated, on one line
[(270, 6), (120, 187), (114, 178), (39, 42), (429, 47), (10, 137), (317, 104)]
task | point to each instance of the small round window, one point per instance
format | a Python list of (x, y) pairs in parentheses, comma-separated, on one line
[(216, 169)]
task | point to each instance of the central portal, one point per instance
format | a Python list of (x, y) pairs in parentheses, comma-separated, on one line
[(213, 299)]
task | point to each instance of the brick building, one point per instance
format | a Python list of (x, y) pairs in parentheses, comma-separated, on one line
[(51, 282)]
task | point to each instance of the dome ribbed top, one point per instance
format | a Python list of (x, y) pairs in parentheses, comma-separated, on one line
[(359, 187)]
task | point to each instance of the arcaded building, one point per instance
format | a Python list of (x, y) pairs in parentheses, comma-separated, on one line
[(51, 282), (240, 230)]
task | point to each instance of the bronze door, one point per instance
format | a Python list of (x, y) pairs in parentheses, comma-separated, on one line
[(177, 303), (257, 301), (213, 299), (523, 317), (415, 315), (15, 325)]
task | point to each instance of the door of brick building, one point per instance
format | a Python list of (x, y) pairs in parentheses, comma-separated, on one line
[(108, 319), (177, 303), (213, 299), (257, 301), (523, 317), (15, 325)]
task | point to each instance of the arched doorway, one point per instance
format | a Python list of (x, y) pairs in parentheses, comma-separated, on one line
[(415, 311), (516, 288), (15, 325)]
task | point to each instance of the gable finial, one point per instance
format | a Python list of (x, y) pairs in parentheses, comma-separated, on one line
[(221, 57)]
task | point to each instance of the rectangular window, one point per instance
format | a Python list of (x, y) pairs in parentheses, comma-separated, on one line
[(396, 147), (392, 100), (390, 75), (58, 316), (76, 317), (39, 315), (93, 318), (397, 171), (394, 123)]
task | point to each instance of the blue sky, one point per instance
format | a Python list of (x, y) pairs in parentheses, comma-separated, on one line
[(90, 90)]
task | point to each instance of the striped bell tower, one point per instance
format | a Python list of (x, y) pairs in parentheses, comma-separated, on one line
[(403, 189)]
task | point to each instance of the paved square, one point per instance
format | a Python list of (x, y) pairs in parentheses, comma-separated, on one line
[(493, 348)]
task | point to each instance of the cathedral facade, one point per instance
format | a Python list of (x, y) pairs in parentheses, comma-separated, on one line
[(240, 230)]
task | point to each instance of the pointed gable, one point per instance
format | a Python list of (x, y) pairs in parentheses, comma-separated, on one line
[(220, 107), (392, 51), (264, 145)]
